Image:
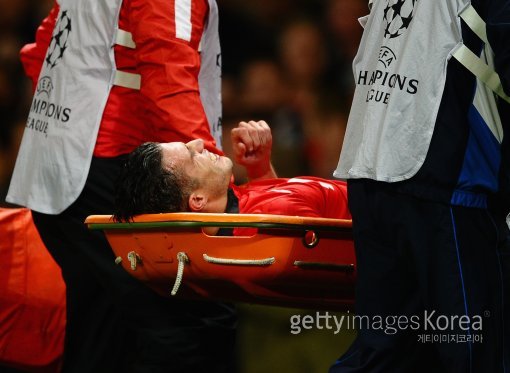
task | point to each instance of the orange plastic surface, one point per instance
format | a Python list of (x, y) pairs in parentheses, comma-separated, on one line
[(314, 275), (32, 297)]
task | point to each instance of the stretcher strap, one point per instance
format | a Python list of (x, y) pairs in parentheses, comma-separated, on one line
[(182, 259), (471, 61), (244, 262), (474, 22), (481, 70)]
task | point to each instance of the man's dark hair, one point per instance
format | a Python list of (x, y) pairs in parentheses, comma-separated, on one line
[(144, 186)]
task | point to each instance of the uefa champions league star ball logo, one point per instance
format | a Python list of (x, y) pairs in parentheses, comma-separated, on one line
[(58, 43), (398, 14)]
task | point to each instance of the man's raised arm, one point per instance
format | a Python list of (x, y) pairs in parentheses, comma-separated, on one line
[(252, 142)]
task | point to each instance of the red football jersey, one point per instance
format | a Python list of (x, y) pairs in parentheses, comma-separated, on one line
[(300, 196)]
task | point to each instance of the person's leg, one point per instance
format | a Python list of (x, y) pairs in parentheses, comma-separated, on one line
[(420, 258), (454, 254), (386, 288), (505, 261), (95, 339), (504, 257)]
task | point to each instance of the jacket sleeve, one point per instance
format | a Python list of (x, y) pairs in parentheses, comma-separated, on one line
[(167, 39), (32, 55)]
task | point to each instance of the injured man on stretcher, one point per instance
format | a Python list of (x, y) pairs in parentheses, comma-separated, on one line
[(179, 177)]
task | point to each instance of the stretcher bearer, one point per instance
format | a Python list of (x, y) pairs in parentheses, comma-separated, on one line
[(426, 155), (108, 76)]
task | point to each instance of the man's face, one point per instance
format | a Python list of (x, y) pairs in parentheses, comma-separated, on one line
[(211, 170)]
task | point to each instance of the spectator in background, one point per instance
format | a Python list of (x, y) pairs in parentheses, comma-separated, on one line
[(343, 33), (302, 55), (288, 82), (314, 97), (18, 20), (264, 93)]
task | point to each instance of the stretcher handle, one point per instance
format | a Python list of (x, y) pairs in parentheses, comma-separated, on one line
[(348, 268)]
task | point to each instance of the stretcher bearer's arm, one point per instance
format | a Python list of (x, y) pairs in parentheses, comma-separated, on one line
[(167, 34), (252, 142), (32, 55), (498, 33)]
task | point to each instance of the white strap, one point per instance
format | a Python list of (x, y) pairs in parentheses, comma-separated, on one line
[(481, 70), (125, 39), (474, 63), (474, 22), (127, 80), (245, 262), (122, 78), (183, 24)]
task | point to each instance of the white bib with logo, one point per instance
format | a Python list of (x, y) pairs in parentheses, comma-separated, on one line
[(209, 78), (400, 73), (61, 130)]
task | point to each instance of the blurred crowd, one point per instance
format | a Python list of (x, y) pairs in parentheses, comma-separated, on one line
[(284, 61), (289, 62), (18, 22)]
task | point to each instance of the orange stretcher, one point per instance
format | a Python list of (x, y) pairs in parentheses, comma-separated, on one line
[(290, 261)]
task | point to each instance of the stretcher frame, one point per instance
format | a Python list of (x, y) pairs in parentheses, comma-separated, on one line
[(290, 261)]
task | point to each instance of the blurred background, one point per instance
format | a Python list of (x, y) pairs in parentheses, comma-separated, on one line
[(284, 61)]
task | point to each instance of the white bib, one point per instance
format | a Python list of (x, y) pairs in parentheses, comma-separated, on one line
[(400, 73), (209, 78), (61, 130)]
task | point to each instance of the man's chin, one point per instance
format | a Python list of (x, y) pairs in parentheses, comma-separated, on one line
[(228, 162)]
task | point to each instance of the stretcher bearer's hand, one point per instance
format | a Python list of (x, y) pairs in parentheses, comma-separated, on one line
[(252, 142)]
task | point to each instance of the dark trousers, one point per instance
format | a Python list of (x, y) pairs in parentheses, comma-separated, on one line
[(432, 273), (114, 322), (504, 254)]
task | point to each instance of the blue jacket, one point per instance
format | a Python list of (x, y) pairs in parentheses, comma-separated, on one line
[(465, 164)]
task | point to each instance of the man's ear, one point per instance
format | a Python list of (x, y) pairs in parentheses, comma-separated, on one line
[(197, 202)]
